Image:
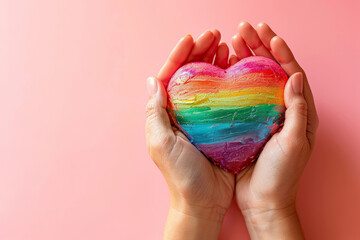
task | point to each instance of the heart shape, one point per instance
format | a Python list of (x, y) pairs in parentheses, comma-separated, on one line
[(228, 115)]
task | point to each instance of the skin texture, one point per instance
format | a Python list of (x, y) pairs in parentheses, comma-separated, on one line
[(201, 193)]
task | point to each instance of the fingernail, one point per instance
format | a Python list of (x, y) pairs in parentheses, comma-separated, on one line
[(297, 83), (151, 85)]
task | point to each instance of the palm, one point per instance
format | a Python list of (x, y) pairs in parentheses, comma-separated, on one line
[(210, 185), (258, 181)]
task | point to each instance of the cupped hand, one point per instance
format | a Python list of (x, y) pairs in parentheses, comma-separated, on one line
[(198, 189), (266, 191)]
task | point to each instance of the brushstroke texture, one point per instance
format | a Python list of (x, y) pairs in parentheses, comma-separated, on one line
[(229, 115)]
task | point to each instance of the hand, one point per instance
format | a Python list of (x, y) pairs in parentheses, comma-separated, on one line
[(200, 192), (266, 191)]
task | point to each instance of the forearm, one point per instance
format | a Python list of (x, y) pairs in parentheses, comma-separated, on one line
[(274, 224), (180, 225)]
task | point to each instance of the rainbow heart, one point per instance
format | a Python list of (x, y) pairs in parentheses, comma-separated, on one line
[(229, 115)]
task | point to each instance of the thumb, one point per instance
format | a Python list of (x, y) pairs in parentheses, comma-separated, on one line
[(158, 128), (296, 107)]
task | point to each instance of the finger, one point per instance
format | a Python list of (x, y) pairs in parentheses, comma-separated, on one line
[(232, 60), (284, 56), (176, 59), (240, 48), (296, 109), (209, 54), (265, 34), (250, 36), (286, 59), (158, 128), (222, 54), (202, 44)]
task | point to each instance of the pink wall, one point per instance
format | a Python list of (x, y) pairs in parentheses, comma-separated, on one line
[(73, 161)]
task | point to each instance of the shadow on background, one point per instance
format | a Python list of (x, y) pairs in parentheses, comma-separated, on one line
[(328, 200)]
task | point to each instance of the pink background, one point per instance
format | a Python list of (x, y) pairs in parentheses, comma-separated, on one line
[(73, 161)]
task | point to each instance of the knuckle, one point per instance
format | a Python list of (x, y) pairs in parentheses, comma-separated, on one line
[(152, 113), (150, 109), (295, 147), (159, 144), (295, 144), (159, 148), (163, 141), (155, 151), (301, 108)]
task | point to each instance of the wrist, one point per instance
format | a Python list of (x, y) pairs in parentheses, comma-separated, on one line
[(213, 213), (273, 223), (180, 225), (264, 216), (193, 222)]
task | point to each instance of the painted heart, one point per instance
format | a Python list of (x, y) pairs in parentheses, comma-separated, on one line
[(229, 115)]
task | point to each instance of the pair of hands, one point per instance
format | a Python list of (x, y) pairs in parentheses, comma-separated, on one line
[(201, 192)]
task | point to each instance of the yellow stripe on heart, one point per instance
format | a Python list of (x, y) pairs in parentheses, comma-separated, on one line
[(243, 98)]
